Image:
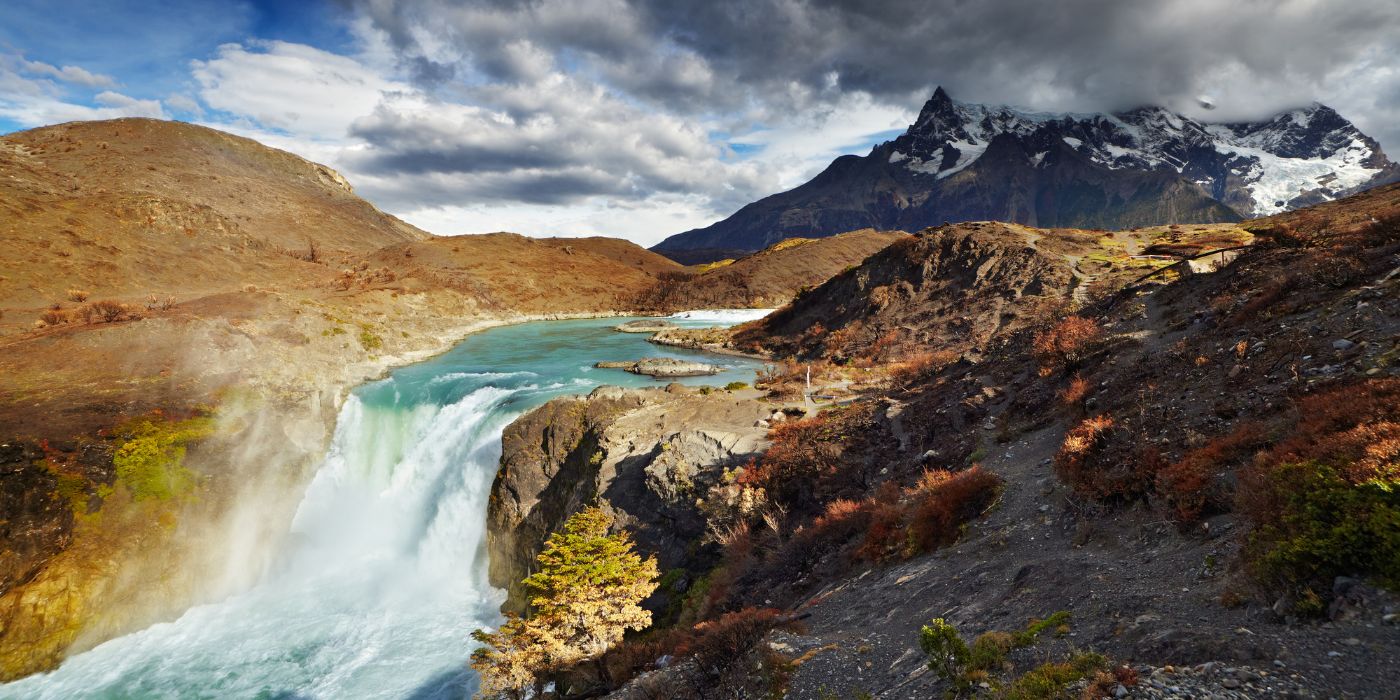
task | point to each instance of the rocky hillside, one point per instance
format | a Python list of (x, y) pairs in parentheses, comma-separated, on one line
[(967, 162), (770, 277), (1180, 484), (956, 287)]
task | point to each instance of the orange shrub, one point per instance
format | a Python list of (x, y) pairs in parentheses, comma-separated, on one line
[(918, 366), (1186, 485), (1065, 343), (1084, 464), (942, 501), (1356, 428), (1075, 392), (802, 468), (54, 317)]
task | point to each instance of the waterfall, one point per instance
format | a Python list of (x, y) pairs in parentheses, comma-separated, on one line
[(374, 596), (382, 578)]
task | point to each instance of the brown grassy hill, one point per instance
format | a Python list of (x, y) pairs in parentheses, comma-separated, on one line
[(136, 206), (769, 277), (510, 272)]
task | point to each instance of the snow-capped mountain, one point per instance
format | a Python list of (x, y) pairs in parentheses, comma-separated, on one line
[(1149, 165)]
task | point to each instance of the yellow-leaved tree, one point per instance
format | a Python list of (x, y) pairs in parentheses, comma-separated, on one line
[(585, 596)]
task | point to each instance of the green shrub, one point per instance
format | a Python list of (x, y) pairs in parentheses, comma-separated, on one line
[(1051, 680), (369, 340), (1033, 630), (989, 650), (736, 386), (1327, 527), (947, 653)]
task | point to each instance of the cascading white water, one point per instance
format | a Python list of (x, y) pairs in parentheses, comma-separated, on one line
[(383, 575)]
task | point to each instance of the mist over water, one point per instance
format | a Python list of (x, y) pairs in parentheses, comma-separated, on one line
[(383, 575)]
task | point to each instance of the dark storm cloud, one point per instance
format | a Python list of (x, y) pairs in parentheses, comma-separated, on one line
[(1084, 54), (528, 186), (759, 62)]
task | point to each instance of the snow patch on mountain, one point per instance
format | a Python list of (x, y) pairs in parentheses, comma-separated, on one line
[(1309, 151)]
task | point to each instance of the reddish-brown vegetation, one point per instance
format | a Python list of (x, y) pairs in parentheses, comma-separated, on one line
[(1064, 344), (919, 366), (721, 647), (1075, 463), (1190, 485), (1074, 393)]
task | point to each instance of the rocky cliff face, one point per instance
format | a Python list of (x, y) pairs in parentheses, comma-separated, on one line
[(1147, 166), (950, 288), (770, 277), (645, 454)]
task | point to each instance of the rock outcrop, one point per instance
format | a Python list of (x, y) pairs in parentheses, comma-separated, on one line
[(646, 325), (662, 367), (951, 288), (646, 454)]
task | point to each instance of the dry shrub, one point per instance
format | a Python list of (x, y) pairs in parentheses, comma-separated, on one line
[(1097, 469), (1074, 393), (894, 523), (1079, 444), (942, 501), (1189, 485), (54, 317), (105, 310), (720, 647), (1066, 343), (802, 468), (1270, 294), (887, 344), (1355, 428), (155, 302), (77, 295), (920, 366)]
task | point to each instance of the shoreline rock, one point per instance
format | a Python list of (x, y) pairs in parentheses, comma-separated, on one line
[(662, 367), (646, 325)]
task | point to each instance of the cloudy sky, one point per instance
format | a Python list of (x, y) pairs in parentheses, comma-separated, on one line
[(643, 118)]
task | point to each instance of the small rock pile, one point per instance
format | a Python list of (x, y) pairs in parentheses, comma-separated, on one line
[(1215, 681)]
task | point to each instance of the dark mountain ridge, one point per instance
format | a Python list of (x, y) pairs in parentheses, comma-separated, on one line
[(1146, 166)]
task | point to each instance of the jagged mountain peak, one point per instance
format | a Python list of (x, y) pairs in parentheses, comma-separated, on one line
[(1307, 154), (1148, 165)]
